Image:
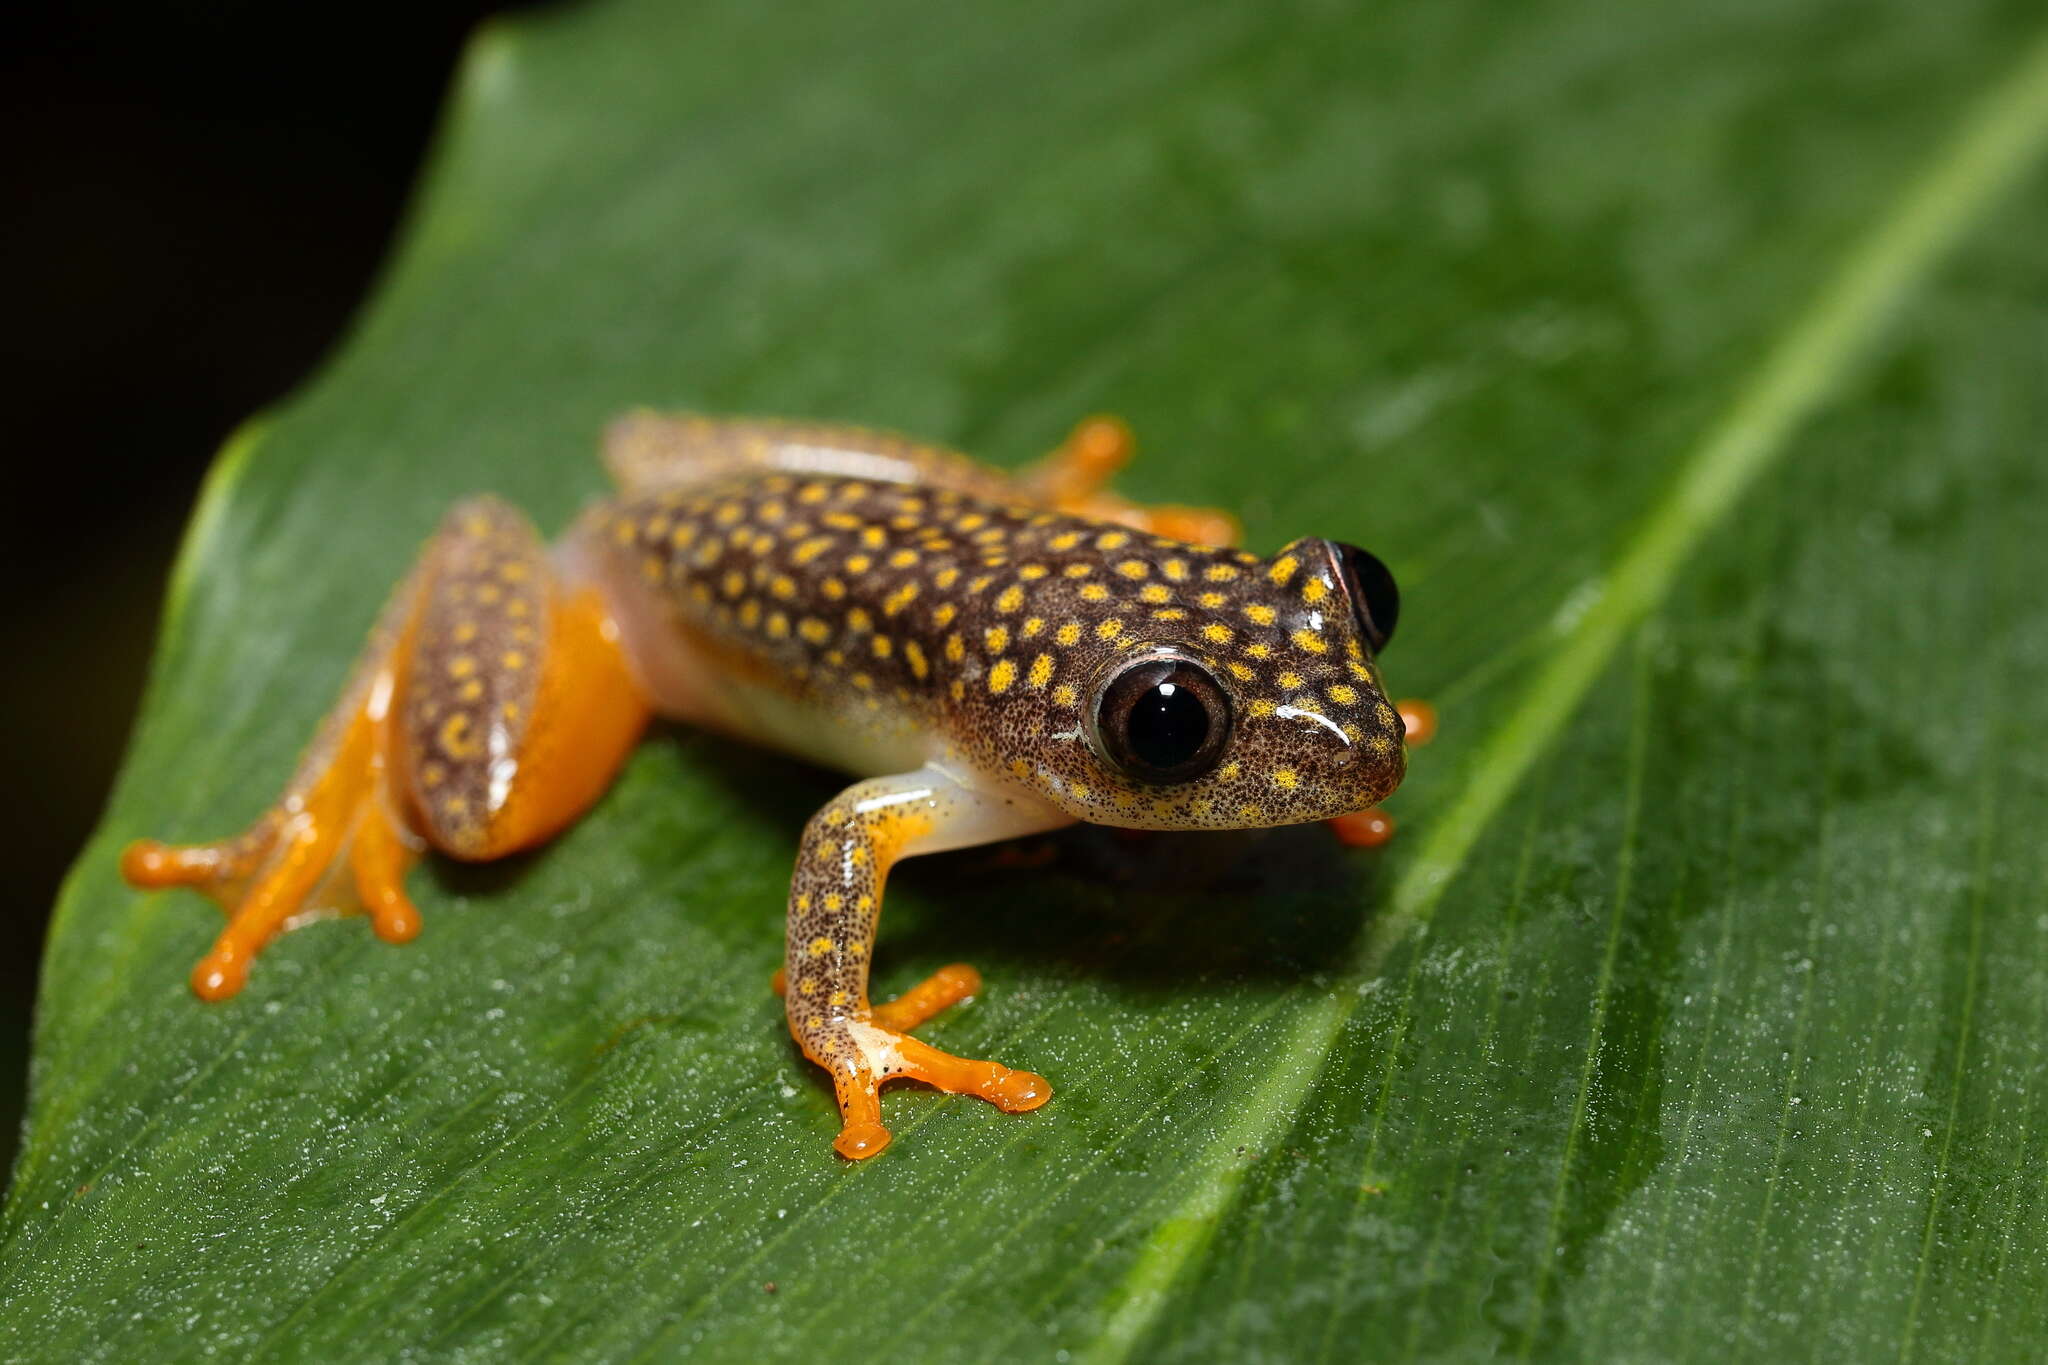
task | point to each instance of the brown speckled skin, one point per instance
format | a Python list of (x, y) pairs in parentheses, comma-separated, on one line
[(949, 616), (473, 668)]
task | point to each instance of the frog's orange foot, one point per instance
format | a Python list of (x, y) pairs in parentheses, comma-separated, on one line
[(881, 1055), (330, 836), (1075, 479), (863, 1054)]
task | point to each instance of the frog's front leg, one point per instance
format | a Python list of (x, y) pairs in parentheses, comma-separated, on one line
[(491, 707), (835, 901)]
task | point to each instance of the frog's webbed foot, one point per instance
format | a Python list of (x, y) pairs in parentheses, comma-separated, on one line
[(1372, 828), (1075, 479), (331, 844), (864, 1053), (490, 707)]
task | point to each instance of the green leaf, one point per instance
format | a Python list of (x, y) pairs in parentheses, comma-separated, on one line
[(1686, 367)]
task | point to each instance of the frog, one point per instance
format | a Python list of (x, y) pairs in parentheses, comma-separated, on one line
[(987, 654)]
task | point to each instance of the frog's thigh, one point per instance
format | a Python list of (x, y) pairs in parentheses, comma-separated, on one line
[(518, 707), (835, 903)]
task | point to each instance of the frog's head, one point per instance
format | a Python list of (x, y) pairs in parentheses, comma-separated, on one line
[(1253, 700)]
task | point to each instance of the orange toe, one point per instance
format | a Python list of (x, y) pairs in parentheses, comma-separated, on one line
[(1365, 829), (859, 1141)]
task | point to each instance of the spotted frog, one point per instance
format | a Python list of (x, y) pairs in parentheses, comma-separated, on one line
[(991, 655)]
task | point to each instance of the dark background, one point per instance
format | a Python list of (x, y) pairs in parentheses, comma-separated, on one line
[(199, 198)]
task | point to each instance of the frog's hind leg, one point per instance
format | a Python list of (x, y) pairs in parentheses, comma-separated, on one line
[(490, 707), (1075, 479)]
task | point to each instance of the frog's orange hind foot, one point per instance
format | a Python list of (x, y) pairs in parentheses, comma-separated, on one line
[(884, 1054), (329, 845), (1075, 478)]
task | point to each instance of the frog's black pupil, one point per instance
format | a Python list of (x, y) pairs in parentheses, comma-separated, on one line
[(1167, 726)]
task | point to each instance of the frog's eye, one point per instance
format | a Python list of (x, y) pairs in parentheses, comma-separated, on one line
[(1375, 601), (1162, 719)]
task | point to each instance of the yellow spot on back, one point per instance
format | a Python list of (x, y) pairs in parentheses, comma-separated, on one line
[(946, 577), (1261, 707), (1041, 671), (1314, 590), (1175, 569), (903, 559), (1343, 695), (1112, 540), (1065, 540), (1032, 625), (1154, 592), (883, 646), (1078, 570), (956, 649), (1283, 569), (943, 614), (1286, 779), (1242, 672), (859, 564), (1001, 676), (1261, 614), (1220, 573), (1094, 592), (1290, 680), (857, 618), (814, 630), (1109, 629), (1216, 633), (1133, 568), (1064, 694), (1028, 572), (1310, 641), (913, 652), (461, 666), (1068, 634), (996, 638), (1012, 598), (899, 599), (822, 945)]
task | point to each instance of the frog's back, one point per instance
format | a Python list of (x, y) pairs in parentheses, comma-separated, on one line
[(900, 610)]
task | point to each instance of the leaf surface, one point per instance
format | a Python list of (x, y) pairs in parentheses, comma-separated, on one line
[(1685, 366)]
